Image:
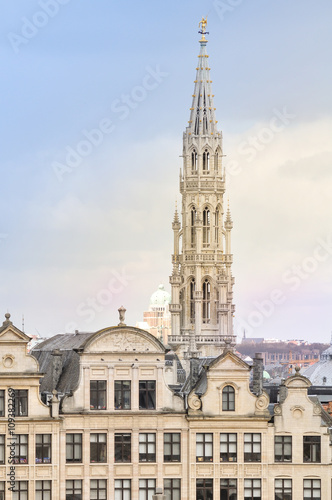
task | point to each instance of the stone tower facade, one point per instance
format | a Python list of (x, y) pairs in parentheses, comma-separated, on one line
[(201, 280)]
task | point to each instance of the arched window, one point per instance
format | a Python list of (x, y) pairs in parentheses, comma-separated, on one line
[(206, 316), (182, 304), (216, 226), (194, 161), (206, 161), (193, 228), (228, 398), (206, 227), (192, 301), (216, 161)]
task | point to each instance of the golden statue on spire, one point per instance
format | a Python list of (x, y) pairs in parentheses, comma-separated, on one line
[(203, 22)]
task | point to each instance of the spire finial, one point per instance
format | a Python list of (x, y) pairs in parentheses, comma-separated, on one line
[(122, 312), (203, 22)]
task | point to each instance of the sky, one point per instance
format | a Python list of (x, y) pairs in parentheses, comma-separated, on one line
[(95, 97)]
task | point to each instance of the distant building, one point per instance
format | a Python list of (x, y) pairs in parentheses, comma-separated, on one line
[(157, 320)]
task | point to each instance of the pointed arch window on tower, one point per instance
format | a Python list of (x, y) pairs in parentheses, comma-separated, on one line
[(194, 161), (206, 162), (192, 300), (206, 316), (216, 162), (206, 227), (216, 226), (193, 228)]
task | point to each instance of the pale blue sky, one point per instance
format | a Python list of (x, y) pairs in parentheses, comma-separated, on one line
[(65, 236)]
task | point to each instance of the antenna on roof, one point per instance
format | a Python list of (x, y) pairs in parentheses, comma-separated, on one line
[(23, 323)]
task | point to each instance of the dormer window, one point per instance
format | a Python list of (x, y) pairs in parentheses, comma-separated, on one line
[(228, 398)]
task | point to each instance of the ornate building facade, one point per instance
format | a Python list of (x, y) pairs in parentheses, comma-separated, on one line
[(202, 283)]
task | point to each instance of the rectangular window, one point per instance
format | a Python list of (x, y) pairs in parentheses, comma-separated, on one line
[(73, 447), (228, 489), (172, 489), (252, 489), (20, 490), (2, 490), (252, 447), (228, 398), (147, 488), (122, 489), (21, 449), (21, 403), (43, 490), (2, 448), (204, 489), (74, 489), (283, 489), (122, 395), (228, 447), (98, 447), (98, 489), (147, 394), (283, 448), (172, 447), (147, 447), (311, 448), (97, 394), (204, 447), (43, 449), (122, 447), (2, 403), (311, 489)]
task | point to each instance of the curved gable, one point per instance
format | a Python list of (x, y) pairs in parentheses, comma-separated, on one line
[(123, 339)]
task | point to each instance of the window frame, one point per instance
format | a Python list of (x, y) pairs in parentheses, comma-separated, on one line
[(122, 446), (121, 394), (21, 402), (21, 457), (43, 448), (283, 491), (252, 456), (283, 456), (2, 490), (20, 488), (172, 488), (173, 444), (205, 445), (2, 449), (311, 449), (75, 489), (44, 489), (122, 489), (98, 448), (74, 445), (228, 398), (98, 394), (228, 455), (98, 488), (204, 488), (147, 440), (252, 484), (147, 394), (312, 489), (229, 488), (149, 488), (2, 402)]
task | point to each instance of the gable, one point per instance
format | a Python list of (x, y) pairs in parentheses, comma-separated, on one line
[(124, 339), (12, 334), (229, 362)]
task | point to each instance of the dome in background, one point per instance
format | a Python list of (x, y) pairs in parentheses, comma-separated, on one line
[(160, 297)]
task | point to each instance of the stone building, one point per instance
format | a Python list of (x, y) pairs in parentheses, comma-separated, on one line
[(157, 320)]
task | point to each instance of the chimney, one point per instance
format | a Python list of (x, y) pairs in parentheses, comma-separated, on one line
[(257, 382), (55, 405), (56, 367)]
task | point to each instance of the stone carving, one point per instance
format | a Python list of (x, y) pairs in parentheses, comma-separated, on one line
[(262, 402), (317, 410), (194, 402), (277, 409), (120, 342)]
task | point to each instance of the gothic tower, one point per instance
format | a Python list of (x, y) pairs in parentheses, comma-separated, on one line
[(202, 282)]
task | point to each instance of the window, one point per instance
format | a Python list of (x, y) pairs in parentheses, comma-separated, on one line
[(204, 489), (74, 448), (206, 161), (204, 447), (172, 489), (311, 448), (311, 489), (228, 489), (122, 390), (73, 489), (20, 490), (228, 447), (147, 394), (147, 447), (206, 227), (43, 449), (206, 301), (21, 449), (2, 448), (283, 489), (97, 394), (98, 448), (122, 447), (2, 490), (98, 489), (228, 398), (147, 488), (122, 489), (172, 447), (252, 447), (216, 226), (43, 490), (192, 301), (216, 161), (192, 227), (21, 403), (2, 403), (194, 161), (252, 489), (283, 448)]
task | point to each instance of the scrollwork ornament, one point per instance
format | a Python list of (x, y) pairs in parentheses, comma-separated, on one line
[(194, 402), (277, 409)]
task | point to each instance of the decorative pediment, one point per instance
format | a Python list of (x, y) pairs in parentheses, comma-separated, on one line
[(13, 334), (124, 339), (229, 362)]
